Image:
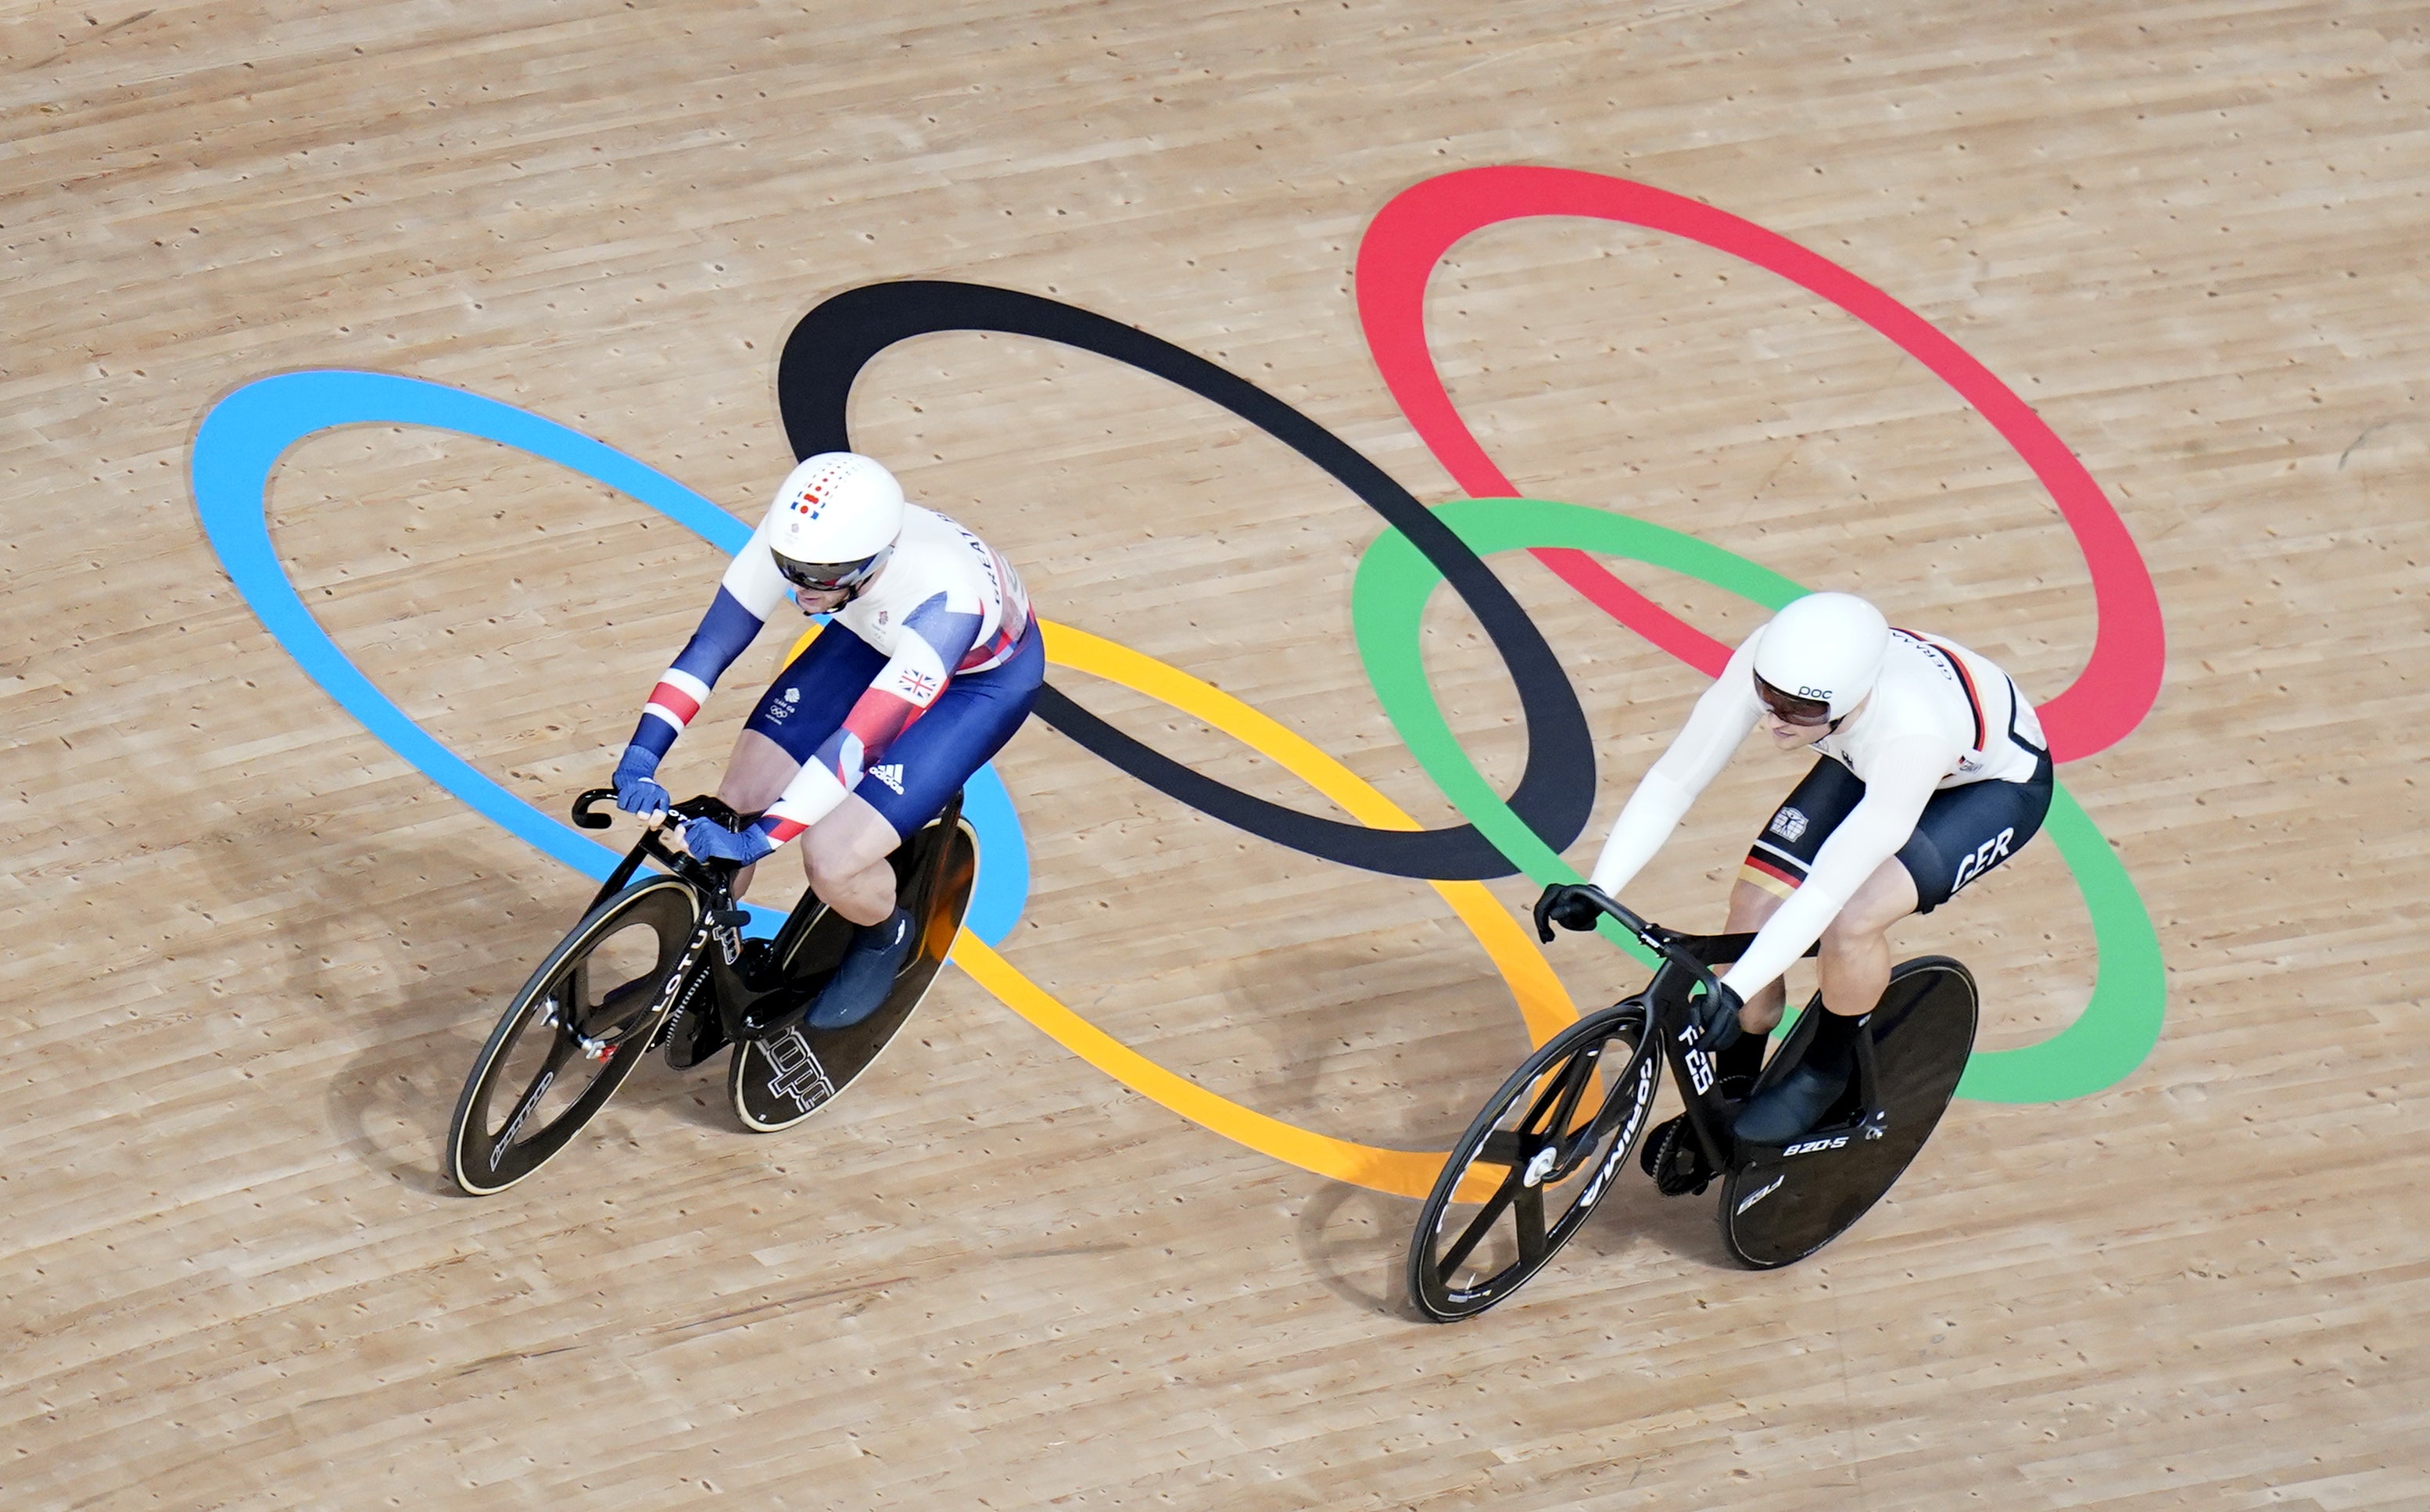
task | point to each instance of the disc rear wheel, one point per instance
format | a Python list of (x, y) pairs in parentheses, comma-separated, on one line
[(573, 1034), (1533, 1164), (776, 1082), (1776, 1211)]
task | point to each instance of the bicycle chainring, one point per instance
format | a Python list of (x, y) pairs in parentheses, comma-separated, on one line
[(1675, 1161), (693, 1033)]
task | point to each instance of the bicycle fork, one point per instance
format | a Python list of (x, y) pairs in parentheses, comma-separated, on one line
[(719, 924)]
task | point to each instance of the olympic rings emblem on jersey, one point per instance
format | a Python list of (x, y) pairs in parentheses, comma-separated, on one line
[(242, 438)]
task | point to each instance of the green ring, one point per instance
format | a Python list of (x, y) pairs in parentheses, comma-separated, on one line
[(2117, 1027)]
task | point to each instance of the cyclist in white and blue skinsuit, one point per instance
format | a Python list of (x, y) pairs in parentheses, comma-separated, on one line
[(1933, 771), (930, 661)]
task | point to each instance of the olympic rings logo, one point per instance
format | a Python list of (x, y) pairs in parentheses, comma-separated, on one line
[(242, 438)]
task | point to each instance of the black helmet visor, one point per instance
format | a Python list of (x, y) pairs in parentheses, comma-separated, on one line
[(1791, 709), (826, 577)]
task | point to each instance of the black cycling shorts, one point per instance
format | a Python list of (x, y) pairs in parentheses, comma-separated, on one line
[(1964, 832)]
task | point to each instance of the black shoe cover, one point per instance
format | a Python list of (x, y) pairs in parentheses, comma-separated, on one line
[(860, 983), (1790, 1108)]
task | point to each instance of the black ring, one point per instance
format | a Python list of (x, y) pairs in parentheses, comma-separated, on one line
[(826, 354)]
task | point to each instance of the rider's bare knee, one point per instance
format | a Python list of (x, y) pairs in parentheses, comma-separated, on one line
[(836, 868), (1846, 939), (825, 875)]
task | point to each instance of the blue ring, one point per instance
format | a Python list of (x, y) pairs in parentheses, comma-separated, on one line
[(246, 434)]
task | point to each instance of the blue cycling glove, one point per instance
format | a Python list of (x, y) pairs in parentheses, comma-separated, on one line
[(710, 841), (636, 792)]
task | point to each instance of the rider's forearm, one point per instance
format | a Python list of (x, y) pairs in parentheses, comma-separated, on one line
[(1793, 927), (1654, 811), (1723, 714), (724, 631), (813, 794)]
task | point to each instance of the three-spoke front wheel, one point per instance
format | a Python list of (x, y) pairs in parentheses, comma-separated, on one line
[(1534, 1163), (570, 1037)]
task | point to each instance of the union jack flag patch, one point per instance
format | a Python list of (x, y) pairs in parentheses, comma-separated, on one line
[(916, 685)]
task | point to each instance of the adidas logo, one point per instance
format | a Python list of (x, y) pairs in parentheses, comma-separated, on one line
[(890, 774)]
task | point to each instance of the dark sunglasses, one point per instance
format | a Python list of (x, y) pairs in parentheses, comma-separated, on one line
[(1790, 709)]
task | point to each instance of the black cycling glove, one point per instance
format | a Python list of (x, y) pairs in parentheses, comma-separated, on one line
[(1718, 1011), (1569, 905)]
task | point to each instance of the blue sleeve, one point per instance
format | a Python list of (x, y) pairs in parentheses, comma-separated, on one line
[(724, 631)]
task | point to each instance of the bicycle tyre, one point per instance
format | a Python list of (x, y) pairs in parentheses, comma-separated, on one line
[(1776, 1212), (1500, 1165), (776, 1082), (486, 1154)]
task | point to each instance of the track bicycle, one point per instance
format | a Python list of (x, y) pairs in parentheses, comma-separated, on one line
[(662, 962), (1543, 1149)]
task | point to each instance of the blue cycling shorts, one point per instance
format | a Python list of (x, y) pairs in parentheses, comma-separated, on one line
[(911, 780)]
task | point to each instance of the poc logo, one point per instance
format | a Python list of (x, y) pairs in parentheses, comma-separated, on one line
[(1987, 856), (1809, 1146)]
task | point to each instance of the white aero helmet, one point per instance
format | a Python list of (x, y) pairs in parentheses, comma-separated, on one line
[(836, 518), (1818, 657)]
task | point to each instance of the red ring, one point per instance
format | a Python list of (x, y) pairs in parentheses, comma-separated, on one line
[(1410, 235)]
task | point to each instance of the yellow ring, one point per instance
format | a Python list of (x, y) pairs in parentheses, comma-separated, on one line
[(1544, 1003)]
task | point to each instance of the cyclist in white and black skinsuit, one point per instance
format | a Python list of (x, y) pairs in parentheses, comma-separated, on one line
[(1934, 772)]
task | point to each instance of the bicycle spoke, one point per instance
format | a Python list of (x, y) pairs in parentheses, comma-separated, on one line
[(1533, 1124), (641, 989), (1573, 1080), (1528, 1212), (560, 1050), (1481, 1225), (1624, 1091)]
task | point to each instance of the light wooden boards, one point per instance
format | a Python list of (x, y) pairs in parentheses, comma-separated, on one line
[(250, 951)]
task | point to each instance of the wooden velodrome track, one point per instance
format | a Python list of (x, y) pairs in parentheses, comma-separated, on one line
[(250, 949)]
